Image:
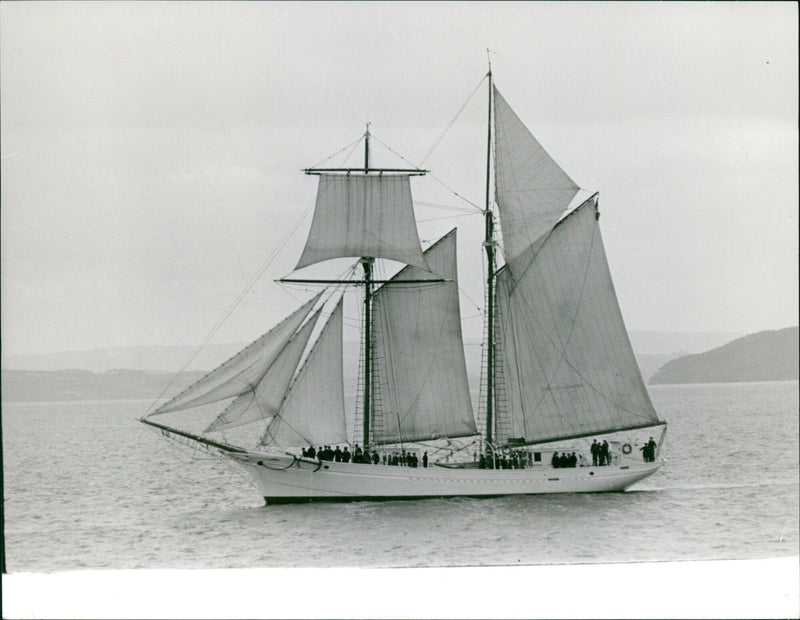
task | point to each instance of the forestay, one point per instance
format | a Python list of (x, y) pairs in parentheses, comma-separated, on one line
[(261, 402), (421, 389), (313, 409), (532, 191), (363, 215), (244, 370), (566, 360)]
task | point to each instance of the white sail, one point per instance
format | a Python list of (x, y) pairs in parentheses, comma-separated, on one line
[(263, 399), (565, 357), (241, 372), (421, 383), (363, 215), (532, 191), (313, 409)]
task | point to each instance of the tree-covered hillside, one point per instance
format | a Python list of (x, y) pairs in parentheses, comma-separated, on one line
[(764, 356)]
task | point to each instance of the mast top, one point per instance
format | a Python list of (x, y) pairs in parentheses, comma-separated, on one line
[(366, 169), (366, 150)]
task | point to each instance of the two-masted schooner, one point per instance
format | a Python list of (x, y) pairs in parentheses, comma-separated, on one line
[(559, 374)]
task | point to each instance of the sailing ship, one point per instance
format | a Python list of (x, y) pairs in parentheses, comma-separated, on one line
[(558, 377)]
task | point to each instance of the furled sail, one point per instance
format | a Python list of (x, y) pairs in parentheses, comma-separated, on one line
[(243, 370), (532, 191), (262, 400), (363, 215), (313, 409), (421, 383), (565, 357)]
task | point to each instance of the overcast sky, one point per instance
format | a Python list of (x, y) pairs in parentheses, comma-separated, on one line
[(152, 152)]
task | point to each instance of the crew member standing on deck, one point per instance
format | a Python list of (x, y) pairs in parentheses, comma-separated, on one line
[(652, 445)]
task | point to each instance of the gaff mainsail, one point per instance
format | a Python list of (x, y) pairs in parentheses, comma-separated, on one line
[(565, 357)]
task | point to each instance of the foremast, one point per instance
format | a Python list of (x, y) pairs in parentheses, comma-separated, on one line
[(368, 282), (366, 264)]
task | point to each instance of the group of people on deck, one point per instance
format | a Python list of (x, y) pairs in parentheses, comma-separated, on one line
[(506, 459), (601, 454), (402, 458), (565, 460)]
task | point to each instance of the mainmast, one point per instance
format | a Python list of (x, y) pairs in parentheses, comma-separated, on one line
[(489, 244)]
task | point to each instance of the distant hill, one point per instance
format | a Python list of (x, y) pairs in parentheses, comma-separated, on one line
[(765, 356), (676, 344), (42, 385), (650, 363)]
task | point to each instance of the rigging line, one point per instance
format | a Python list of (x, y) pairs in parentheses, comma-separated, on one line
[(455, 193), (176, 444), (469, 299), (260, 408), (439, 206), (276, 421), (455, 118), (223, 418), (391, 150), (430, 174), (352, 145), (352, 150), (447, 217), (342, 275), (226, 223), (239, 298)]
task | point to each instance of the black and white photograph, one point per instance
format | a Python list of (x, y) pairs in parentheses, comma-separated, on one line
[(400, 309)]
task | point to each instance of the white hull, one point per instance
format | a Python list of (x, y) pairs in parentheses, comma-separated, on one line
[(284, 479)]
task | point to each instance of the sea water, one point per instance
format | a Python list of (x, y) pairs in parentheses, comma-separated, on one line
[(87, 486)]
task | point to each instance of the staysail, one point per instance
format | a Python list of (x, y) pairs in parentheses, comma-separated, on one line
[(262, 400), (565, 356), (244, 370), (421, 388), (363, 215), (532, 191), (313, 410)]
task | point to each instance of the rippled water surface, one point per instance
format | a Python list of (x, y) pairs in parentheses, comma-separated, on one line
[(87, 486)]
